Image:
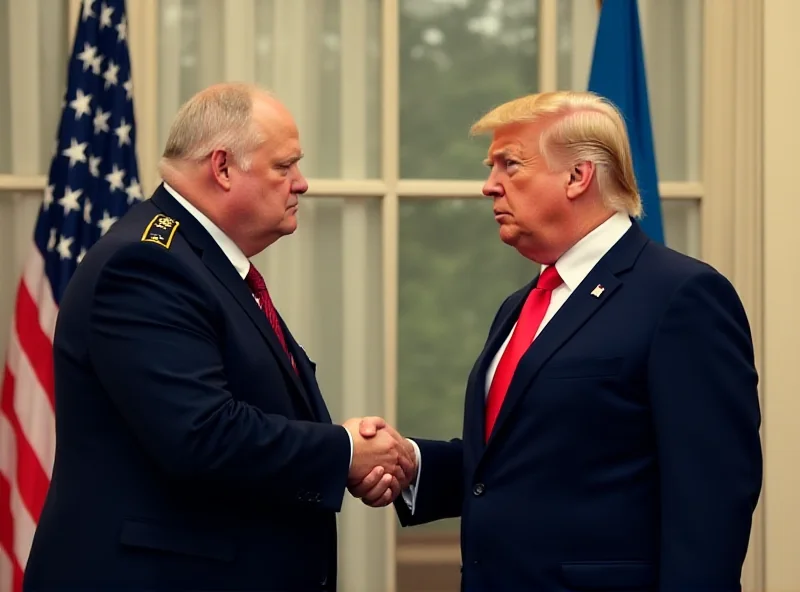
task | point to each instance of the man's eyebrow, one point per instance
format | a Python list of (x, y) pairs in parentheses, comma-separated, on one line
[(502, 153), (292, 159)]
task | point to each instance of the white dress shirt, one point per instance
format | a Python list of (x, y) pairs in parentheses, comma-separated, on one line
[(573, 267), (238, 259)]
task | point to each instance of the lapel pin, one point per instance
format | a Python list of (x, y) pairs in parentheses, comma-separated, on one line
[(598, 291)]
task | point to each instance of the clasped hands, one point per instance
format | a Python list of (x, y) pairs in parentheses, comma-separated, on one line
[(384, 463)]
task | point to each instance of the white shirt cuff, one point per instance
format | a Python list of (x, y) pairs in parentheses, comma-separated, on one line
[(351, 446), (410, 494)]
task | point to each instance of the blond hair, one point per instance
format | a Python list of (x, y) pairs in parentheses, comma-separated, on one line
[(219, 117), (585, 127)]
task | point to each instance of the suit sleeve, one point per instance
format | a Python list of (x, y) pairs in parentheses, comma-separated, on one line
[(156, 351), (704, 389), (440, 490)]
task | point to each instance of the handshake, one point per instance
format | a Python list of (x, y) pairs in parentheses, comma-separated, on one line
[(384, 463)]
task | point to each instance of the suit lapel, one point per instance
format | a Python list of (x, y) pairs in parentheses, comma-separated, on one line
[(216, 261), (581, 305), (309, 378), (476, 386)]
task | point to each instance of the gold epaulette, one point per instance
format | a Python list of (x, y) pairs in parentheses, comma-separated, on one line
[(160, 230)]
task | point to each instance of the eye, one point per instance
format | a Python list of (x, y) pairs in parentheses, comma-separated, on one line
[(509, 163)]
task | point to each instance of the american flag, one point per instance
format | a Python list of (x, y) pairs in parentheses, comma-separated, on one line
[(93, 180)]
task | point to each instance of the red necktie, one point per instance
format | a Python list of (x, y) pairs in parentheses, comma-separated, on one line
[(530, 318), (259, 289)]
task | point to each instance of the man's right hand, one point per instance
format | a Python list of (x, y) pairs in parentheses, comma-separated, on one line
[(379, 450), (382, 484)]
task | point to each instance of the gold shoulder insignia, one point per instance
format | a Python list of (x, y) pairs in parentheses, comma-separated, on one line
[(160, 231)]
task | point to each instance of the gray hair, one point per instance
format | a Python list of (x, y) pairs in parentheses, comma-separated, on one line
[(218, 117)]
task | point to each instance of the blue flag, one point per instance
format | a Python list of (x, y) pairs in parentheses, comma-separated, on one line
[(93, 178), (618, 74)]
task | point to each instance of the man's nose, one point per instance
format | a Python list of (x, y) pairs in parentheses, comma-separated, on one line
[(493, 189), (300, 186)]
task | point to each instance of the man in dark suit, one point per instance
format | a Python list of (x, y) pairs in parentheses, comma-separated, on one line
[(194, 449), (611, 423)]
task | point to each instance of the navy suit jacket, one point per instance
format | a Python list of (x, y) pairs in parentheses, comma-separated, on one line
[(626, 456), (189, 454)]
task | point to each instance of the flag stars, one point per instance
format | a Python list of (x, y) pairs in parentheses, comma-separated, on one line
[(76, 152), (90, 59), (87, 211), (123, 132), (70, 200), (80, 104), (97, 64), (105, 223), (64, 247), (111, 73), (100, 120), (51, 242), (94, 166), (81, 255), (128, 86), (122, 29), (134, 191), (105, 16), (87, 9), (115, 177), (88, 56)]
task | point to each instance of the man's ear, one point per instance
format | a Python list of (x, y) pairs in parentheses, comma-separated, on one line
[(580, 177), (220, 168)]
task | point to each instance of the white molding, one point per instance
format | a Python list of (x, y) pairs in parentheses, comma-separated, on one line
[(390, 222), (547, 33), (10, 183), (142, 23), (781, 284), (167, 83), (732, 233), (375, 188), (365, 559), (584, 30), (434, 188)]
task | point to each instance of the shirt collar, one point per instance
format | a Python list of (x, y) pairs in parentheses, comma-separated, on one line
[(574, 265), (238, 259)]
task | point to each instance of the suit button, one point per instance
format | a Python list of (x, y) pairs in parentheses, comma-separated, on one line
[(478, 489)]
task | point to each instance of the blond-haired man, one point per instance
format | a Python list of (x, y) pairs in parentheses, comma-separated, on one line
[(611, 424), (194, 449)]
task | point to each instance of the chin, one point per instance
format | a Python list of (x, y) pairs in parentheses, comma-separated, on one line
[(289, 224), (509, 236)]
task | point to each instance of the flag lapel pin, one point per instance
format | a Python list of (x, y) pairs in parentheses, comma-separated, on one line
[(598, 291)]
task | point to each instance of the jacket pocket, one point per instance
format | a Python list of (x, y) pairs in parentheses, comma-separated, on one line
[(639, 576), (161, 538)]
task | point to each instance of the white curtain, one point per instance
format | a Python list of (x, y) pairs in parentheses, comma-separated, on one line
[(32, 84)]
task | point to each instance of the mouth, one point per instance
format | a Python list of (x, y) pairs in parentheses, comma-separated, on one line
[(498, 214)]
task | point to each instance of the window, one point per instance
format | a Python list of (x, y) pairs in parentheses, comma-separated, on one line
[(458, 60)]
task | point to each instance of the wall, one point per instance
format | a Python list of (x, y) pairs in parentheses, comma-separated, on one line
[(781, 277)]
